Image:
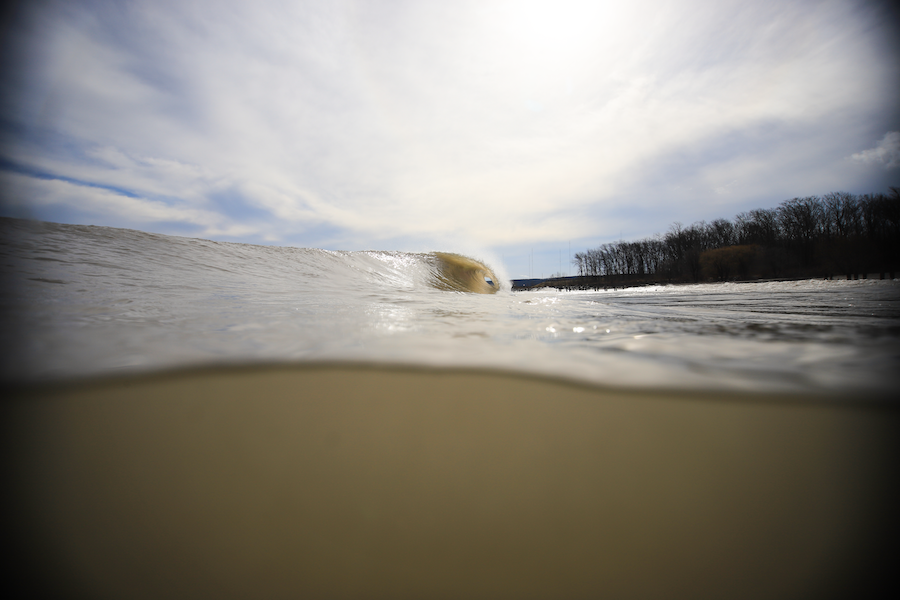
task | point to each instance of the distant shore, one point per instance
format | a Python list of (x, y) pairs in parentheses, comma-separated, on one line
[(583, 282)]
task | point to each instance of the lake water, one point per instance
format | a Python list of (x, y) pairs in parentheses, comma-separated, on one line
[(84, 301)]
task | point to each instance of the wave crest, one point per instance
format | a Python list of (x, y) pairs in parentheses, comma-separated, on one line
[(459, 273)]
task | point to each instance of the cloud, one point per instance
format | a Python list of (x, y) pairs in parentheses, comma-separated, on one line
[(886, 154), (349, 124), (39, 194)]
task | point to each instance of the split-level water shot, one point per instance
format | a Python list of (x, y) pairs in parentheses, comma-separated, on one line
[(492, 299)]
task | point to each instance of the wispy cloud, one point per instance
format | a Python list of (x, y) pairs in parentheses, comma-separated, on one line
[(350, 124), (885, 154), (98, 204)]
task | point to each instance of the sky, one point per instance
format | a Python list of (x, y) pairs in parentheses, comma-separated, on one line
[(519, 132)]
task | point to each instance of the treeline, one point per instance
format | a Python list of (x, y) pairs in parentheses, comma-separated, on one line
[(833, 235)]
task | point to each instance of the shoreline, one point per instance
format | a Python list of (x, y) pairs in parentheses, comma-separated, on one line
[(582, 283)]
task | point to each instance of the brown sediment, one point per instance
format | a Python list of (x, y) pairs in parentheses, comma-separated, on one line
[(363, 482), (463, 274)]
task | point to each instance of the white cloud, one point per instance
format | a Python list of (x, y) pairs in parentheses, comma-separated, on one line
[(885, 154), (385, 120), (39, 193)]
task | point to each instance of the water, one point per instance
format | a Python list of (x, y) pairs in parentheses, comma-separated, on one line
[(82, 301)]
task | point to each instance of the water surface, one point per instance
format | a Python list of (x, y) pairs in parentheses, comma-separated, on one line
[(82, 300)]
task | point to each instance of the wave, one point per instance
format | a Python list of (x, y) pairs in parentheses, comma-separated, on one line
[(459, 273), (436, 270), (123, 253)]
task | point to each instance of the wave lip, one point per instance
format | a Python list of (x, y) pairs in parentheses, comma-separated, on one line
[(454, 272)]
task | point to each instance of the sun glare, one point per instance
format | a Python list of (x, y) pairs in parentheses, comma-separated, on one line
[(548, 48)]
